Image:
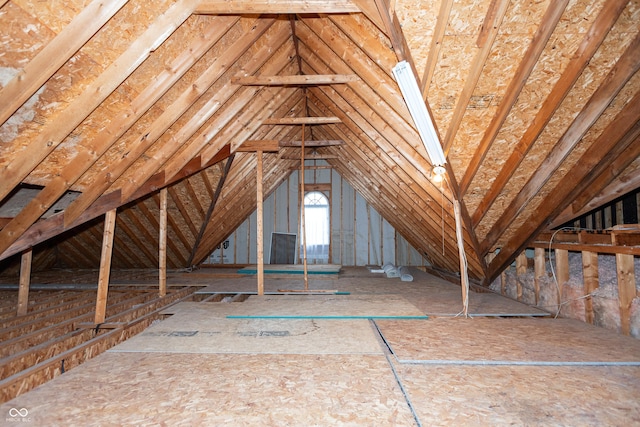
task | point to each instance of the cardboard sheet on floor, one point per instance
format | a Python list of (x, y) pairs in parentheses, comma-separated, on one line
[(216, 389), (498, 341), (523, 395), (199, 333)]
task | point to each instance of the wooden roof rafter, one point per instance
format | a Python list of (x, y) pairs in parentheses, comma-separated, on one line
[(590, 43), (159, 126), (88, 156), (54, 132), (619, 75), (620, 135), (530, 58)]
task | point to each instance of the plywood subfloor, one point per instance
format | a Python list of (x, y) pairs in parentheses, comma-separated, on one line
[(201, 367), (145, 389), (595, 396), (433, 296), (292, 269), (507, 341), (185, 333), (309, 306)]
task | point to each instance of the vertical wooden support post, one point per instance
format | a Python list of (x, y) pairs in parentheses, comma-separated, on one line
[(591, 282), (25, 280), (105, 265), (302, 219), (562, 270), (162, 243), (259, 225), (539, 270), (626, 289), (521, 270)]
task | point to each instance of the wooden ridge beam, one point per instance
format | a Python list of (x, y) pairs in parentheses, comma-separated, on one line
[(525, 67), (580, 59), (627, 65), (245, 7), (54, 132), (301, 120), (295, 80)]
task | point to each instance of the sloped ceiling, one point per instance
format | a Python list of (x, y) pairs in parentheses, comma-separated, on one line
[(103, 103)]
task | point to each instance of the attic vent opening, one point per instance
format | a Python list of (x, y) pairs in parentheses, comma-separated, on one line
[(317, 227)]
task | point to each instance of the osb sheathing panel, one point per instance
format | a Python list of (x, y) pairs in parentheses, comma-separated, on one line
[(240, 389), (23, 37), (125, 27), (572, 159), (158, 61), (184, 85), (418, 19), (367, 36), (587, 83), (523, 395), (55, 15), (70, 81)]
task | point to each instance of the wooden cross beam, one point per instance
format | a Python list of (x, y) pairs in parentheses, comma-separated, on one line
[(295, 80), (316, 143), (252, 145), (301, 121)]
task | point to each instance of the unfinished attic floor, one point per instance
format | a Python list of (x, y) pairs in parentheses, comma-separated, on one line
[(366, 356)]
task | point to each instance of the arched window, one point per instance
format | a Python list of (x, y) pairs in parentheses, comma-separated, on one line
[(317, 227)]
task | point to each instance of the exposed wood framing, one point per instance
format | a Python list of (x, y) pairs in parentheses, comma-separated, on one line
[(590, 276), (580, 59), (312, 143), (212, 205), (55, 54), (626, 289), (277, 6), (162, 250), (259, 222), (301, 120), (25, 281), (295, 80), (53, 133), (530, 58), (496, 12), (435, 46), (261, 145), (540, 271), (105, 265)]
